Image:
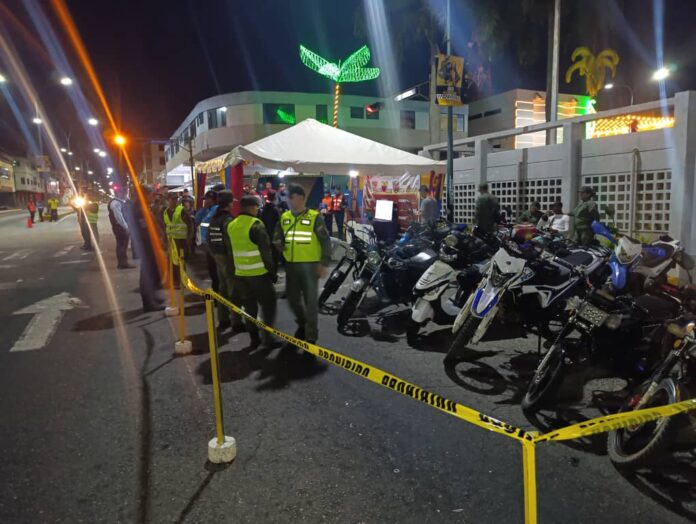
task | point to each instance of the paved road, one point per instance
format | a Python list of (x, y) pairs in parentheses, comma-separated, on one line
[(102, 424)]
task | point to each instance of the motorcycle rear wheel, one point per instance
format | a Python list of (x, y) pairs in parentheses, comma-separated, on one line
[(348, 307), (544, 386), (633, 447), (458, 350)]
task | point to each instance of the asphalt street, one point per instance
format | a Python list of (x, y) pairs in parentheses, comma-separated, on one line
[(101, 423)]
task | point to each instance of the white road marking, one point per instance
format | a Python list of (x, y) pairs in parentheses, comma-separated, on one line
[(47, 314), (6, 266), (63, 252), (66, 216), (19, 255), (7, 285), (81, 261)]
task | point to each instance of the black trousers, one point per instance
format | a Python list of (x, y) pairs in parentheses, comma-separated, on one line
[(212, 270), (252, 293), (150, 280), (122, 238)]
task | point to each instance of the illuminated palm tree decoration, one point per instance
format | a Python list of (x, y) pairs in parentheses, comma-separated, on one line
[(351, 70), (592, 67)]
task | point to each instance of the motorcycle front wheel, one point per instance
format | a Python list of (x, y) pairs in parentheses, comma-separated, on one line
[(546, 382), (348, 307), (641, 445), (331, 286), (458, 349)]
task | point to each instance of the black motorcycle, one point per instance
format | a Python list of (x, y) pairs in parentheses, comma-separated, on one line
[(673, 381), (391, 272), (622, 333), (351, 263)]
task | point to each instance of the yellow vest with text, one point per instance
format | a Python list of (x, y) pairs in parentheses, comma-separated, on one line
[(246, 254), (175, 227), (301, 243)]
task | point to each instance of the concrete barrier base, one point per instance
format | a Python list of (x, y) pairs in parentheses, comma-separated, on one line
[(222, 453), (182, 347)]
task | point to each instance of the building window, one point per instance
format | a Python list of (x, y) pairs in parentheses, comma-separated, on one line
[(408, 119), (222, 116), (22, 180), (279, 114), (212, 119), (357, 112), (199, 119), (322, 113)]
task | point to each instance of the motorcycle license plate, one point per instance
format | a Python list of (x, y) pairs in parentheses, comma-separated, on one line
[(593, 315)]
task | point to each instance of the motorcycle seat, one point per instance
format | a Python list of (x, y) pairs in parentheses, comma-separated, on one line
[(578, 258), (657, 308)]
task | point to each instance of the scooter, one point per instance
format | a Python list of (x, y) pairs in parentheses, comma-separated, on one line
[(444, 287)]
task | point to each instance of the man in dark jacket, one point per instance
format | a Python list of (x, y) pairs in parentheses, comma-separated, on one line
[(270, 215)]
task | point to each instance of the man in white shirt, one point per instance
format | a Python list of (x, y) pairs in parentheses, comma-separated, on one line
[(556, 221), (119, 226)]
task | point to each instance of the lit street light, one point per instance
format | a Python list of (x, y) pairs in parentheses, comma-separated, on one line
[(66, 81), (102, 154), (63, 150), (93, 121), (120, 140), (2, 79), (661, 74), (96, 150), (90, 172), (612, 86), (69, 153), (37, 121), (77, 168)]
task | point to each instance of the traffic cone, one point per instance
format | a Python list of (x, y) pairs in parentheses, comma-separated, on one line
[(29, 224)]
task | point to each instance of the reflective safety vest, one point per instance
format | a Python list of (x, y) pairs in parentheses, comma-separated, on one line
[(52, 204), (246, 254), (92, 212), (301, 244), (175, 227)]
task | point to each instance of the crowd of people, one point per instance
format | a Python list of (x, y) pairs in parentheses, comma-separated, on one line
[(35, 206)]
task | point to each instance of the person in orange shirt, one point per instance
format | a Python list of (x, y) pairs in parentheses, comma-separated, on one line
[(326, 209)]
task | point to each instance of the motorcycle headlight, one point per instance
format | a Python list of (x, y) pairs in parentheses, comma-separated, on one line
[(395, 263), (451, 241), (373, 258), (351, 254), (498, 278), (613, 322)]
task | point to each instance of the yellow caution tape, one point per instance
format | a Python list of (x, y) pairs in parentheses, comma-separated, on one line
[(380, 377), (616, 421)]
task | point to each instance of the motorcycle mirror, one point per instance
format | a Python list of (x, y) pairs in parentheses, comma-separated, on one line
[(686, 261)]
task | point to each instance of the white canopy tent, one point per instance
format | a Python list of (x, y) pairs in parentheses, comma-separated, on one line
[(313, 147)]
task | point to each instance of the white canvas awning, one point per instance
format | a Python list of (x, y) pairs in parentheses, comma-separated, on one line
[(313, 147)]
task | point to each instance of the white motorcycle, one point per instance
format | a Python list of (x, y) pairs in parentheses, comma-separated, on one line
[(525, 288), (444, 287)]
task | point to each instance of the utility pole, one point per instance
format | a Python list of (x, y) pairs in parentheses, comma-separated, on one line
[(450, 137), (552, 71), (193, 174)]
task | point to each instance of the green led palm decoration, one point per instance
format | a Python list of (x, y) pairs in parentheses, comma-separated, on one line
[(351, 70)]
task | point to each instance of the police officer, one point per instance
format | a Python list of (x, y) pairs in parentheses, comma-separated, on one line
[(487, 210), (254, 269), (119, 227), (88, 216), (147, 246), (202, 220), (218, 246), (585, 213), (304, 241), (176, 230)]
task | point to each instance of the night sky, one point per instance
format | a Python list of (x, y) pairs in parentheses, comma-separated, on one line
[(157, 58)]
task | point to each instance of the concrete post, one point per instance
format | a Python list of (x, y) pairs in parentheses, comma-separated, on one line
[(481, 150), (573, 134), (682, 209)]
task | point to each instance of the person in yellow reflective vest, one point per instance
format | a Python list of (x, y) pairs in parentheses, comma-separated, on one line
[(254, 269), (176, 231), (306, 246), (53, 208)]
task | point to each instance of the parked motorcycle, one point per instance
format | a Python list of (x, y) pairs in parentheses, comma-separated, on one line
[(642, 444), (525, 287), (391, 272), (444, 287), (620, 332), (351, 262)]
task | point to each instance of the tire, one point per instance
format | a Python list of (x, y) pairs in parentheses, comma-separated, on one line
[(544, 386), (458, 349), (330, 287), (348, 307), (412, 331), (632, 448)]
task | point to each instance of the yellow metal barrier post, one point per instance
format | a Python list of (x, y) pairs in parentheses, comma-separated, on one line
[(221, 449), (171, 310), (529, 472), (182, 346)]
